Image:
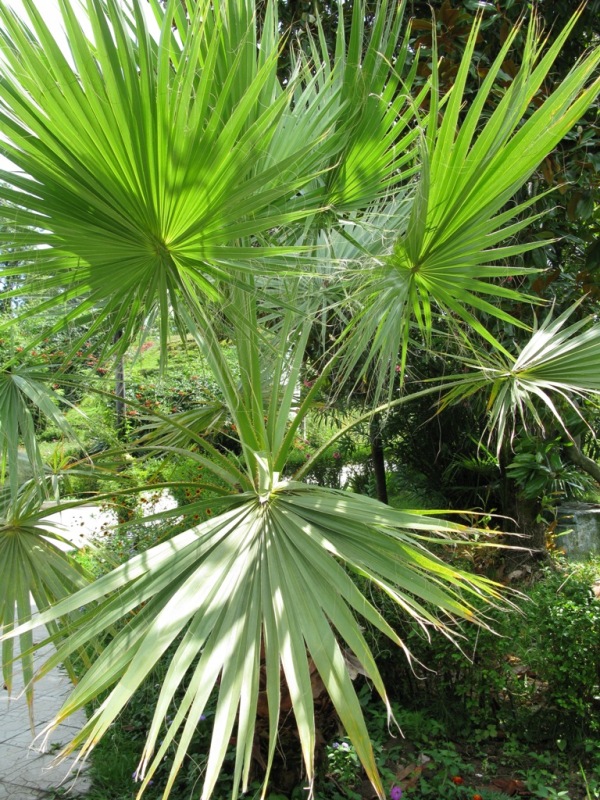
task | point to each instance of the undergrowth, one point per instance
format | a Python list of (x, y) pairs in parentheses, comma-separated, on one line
[(515, 710)]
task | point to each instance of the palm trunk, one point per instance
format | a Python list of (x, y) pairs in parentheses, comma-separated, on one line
[(378, 458)]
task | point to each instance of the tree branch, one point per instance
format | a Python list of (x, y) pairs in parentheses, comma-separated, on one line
[(575, 456)]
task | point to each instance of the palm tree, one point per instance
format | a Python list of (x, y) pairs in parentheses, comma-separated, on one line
[(174, 178)]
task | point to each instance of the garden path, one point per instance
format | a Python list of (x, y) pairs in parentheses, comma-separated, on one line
[(27, 760)]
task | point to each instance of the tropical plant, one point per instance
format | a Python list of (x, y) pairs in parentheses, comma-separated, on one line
[(170, 176), (36, 571)]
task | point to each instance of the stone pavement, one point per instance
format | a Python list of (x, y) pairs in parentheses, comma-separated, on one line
[(25, 765)]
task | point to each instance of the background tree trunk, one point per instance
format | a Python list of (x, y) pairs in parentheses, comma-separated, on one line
[(120, 420), (575, 456), (377, 458)]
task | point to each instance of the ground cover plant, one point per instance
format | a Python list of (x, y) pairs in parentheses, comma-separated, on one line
[(165, 176)]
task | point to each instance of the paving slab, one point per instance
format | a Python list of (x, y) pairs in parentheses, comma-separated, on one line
[(27, 759), (9, 791)]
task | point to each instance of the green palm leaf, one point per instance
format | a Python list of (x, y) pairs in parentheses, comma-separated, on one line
[(146, 169), (23, 388), (558, 364), (35, 572), (266, 575), (446, 253), (378, 104)]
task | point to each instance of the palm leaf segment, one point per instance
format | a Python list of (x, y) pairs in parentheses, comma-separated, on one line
[(261, 584)]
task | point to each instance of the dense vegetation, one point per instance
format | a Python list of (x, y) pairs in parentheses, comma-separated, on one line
[(506, 714), (258, 261)]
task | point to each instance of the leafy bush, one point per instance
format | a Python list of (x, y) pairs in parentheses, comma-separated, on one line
[(561, 643), (186, 383), (539, 469), (467, 686), (536, 675), (193, 491)]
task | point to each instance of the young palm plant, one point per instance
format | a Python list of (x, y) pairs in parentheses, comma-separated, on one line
[(172, 177), (36, 571)]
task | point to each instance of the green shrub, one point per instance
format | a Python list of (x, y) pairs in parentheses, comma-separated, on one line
[(467, 686), (561, 646), (536, 677)]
